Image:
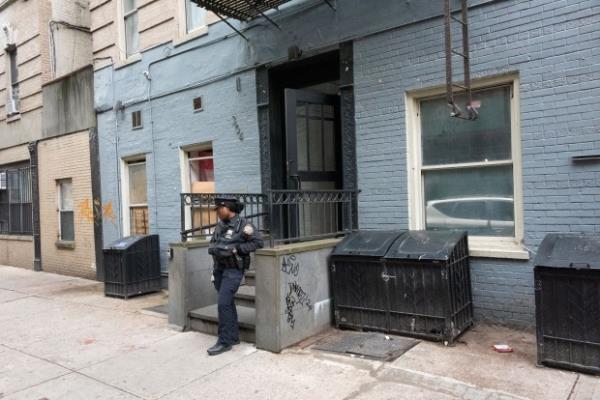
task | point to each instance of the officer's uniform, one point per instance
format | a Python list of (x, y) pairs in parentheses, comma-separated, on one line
[(230, 246)]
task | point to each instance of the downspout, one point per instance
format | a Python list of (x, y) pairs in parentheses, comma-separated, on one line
[(35, 205)]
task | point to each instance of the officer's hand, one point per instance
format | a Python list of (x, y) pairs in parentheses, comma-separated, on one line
[(211, 251)]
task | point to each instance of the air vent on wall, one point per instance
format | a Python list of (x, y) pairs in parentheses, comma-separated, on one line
[(136, 119)]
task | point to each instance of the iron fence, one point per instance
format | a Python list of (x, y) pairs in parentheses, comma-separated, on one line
[(303, 215), (199, 219), (285, 216)]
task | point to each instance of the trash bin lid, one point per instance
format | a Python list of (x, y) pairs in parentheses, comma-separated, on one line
[(425, 245), (366, 243), (125, 242), (569, 250)]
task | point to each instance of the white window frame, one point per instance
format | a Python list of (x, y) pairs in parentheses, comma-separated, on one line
[(184, 33), (479, 246), (59, 209), (13, 104), (125, 203), (121, 15), (184, 167)]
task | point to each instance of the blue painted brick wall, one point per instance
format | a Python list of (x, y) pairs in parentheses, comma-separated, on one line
[(176, 125), (554, 47)]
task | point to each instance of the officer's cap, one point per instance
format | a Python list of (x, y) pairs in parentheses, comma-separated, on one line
[(231, 202)]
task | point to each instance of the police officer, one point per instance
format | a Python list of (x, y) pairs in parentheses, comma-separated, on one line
[(232, 242)]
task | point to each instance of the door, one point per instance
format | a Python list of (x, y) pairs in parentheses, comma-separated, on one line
[(311, 122)]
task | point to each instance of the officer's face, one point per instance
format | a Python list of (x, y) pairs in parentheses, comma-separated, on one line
[(224, 213)]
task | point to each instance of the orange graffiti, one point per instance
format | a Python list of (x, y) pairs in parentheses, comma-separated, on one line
[(85, 211), (108, 212)]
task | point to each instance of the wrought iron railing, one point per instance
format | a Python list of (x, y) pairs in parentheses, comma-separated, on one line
[(285, 216), (303, 215), (199, 219)]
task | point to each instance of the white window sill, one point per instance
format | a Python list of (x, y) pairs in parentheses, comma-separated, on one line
[(514, 252), (196, 33), (129, 60)]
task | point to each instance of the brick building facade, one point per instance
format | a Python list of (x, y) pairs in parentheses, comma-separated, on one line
[(537, 61), (45, 123)]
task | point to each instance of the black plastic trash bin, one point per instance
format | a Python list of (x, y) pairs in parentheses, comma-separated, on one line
[(567, 302), (429, 285), (132, 266), (356, 267)]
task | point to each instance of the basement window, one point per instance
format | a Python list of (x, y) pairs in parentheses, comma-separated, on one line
[(136, 120)]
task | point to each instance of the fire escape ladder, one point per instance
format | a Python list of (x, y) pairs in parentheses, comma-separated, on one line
[(470, 112)]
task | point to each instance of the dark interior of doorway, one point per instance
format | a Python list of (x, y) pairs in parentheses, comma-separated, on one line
[(320, 73)]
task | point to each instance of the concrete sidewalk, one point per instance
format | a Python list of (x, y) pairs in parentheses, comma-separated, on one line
[(60, 338)]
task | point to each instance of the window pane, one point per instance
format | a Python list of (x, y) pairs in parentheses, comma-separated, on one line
[(315, 110), (67, 231), (315, 142), (194, 15), (202, 170), (139, 220), (479, 200), (329, 150), (129, 5), (302, 144), (4, 211), (13, 186), (137, 184), (132, 36), (66, 197), (14, 70), (447, 140), (25, 185)]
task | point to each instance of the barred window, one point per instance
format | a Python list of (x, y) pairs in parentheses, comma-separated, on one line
[(15, 201)]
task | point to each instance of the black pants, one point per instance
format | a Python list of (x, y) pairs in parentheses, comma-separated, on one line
[(227, 282)]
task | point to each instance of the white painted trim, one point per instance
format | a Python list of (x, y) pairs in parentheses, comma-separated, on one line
[(121, 46), (184, 168), (184, 35), (121, 39), (497, 247), (125, 197)]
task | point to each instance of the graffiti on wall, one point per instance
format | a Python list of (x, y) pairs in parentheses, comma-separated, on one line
[(94, 212), (290, 265), (296, 296)]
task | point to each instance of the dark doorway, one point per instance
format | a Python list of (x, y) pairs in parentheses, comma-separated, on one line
[(307, 135), (305, 124)]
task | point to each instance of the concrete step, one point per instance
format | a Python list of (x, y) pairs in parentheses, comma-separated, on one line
[(250, 277), (245, 296), (206, 320)]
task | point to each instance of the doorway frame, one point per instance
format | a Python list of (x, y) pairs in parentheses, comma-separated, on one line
[(267, 132)]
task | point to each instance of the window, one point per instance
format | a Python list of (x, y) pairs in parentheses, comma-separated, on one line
[(132, 35), (467, 173), (202, 171), (15, 201), (138, 198), (66, 226), (198, 176), (197, 103), (194, 16), (12, 103), (136, 119)]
